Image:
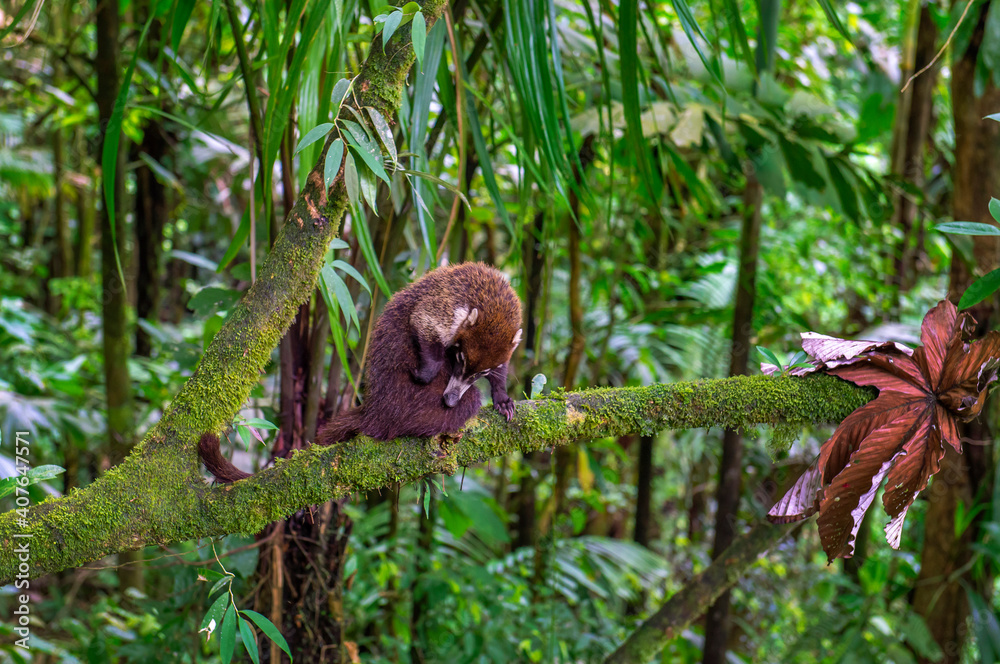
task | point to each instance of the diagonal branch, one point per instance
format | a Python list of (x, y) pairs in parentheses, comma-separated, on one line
[(159, 484), (697, 595)]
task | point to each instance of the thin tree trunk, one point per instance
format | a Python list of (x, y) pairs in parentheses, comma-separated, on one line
[(644, 492), (940, 595), (913, 123), (150, 205), (533, 260), (425, 544), (731, 467), (86, 214), (117, 383)]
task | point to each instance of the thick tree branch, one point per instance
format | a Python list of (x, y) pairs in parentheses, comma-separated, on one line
[(131, 510), (159, 484)]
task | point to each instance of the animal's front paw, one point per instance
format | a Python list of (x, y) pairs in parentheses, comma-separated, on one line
[(425, 375), (505, 407)]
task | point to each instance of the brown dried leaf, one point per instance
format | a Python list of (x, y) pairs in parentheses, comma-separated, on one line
[(898, 437)]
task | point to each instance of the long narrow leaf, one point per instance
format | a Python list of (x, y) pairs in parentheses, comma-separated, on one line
[(368, 249), (422, 97), (834, 19), (628, 38), (734, 17), (109, 152), (693, 31), (486, 164)]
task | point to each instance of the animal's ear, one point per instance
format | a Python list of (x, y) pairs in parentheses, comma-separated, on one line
[(471, 319), (516, 340)]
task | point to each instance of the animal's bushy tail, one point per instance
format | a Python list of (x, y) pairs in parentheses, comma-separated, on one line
[(218, 465), (340, 428)]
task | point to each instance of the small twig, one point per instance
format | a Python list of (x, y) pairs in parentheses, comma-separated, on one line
[(947, 42)]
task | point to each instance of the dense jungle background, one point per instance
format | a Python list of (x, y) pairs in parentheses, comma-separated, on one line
[(669, 185)]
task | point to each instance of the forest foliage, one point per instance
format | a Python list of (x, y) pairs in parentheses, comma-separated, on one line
[(675, 190)]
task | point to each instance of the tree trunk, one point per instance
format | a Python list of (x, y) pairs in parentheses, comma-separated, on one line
[(313, 558), (117, 384), (150, 205), (731, 467), (86, 213), (644, 492), (913, 120), (940, 595), (425, 544), (533, 262)]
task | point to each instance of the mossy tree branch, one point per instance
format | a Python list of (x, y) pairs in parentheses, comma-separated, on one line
[(89, 524), (159, 485), (158, 496)]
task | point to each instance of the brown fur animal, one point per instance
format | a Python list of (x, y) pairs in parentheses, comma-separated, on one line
[(434, 339)]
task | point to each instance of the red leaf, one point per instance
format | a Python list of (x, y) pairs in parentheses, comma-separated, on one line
[(899, 437)]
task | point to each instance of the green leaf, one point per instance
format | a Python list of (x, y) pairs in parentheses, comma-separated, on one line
[(738, 31), (44, 473), (368, 251), (389, 27), (109, 151), (249, 640), (691, 28), (227, 635), (454, 520), (985, 626), (351, 180), (313, 135), (418, 33), (260, 423), (384, 132), (342, 295), (769, 356), (215, 612), (339, 342), (629, 19), (181, 16), (993, 116), (799, 358), (334, 157), (220, 584), (846, 193), (834, 19), (269, 630), (337, 243), (410, 8), (7, 486), (800, 164), (339, 90), (980, 289), (25, 8), (369, 155), (995, 208), (349, 269), (369, 189), (967, 228)]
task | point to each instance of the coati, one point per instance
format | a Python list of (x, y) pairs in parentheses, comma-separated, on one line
[(434, 339)]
